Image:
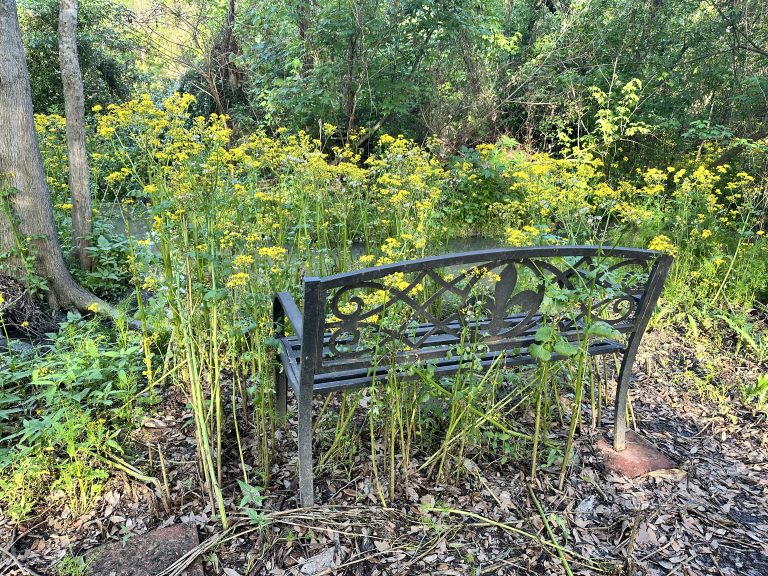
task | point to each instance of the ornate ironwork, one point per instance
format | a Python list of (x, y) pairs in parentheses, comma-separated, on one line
[(497, 298)]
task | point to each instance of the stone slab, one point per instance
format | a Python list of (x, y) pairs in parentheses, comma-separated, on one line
[(640, 457), (147, 554)]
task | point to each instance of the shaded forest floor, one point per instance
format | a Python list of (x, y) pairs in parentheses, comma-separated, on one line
[(709, 516)]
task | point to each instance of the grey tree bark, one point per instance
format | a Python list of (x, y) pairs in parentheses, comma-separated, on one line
[(74, 111), (26, 218)]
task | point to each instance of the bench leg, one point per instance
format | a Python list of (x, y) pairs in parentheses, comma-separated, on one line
[(620, 409), (281, 398), (306, 481)]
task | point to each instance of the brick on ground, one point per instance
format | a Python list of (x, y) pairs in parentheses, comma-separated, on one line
[(638, 458)]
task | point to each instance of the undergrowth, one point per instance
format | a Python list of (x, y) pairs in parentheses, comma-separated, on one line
[(63, 408)]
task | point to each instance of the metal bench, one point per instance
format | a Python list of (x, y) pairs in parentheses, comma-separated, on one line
[(501, 297)]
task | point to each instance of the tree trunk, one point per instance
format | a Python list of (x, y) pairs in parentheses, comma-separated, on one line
[(230, 51), (224, 73), (26, 220), (74, 110), (350, 88), (304, 9)]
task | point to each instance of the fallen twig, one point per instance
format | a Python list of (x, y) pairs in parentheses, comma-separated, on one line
[(15, 560)]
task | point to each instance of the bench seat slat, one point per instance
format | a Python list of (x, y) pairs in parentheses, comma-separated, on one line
[(446, 368), (360, 377), (434, 347)]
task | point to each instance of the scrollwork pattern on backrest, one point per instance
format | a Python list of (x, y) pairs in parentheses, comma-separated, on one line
[(495, 299)]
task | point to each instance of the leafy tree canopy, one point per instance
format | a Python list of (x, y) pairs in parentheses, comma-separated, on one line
[(107, 50)]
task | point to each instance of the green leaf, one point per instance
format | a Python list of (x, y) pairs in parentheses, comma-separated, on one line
[(219, 294), (251, 494), (602, 330), (564, 348), (552, 456), (544, 334), (538, 352)]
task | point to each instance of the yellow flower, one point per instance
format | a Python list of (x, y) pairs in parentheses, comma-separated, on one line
[(65, 206), (238, 279), (484, 149), (399, 197), (242, 261), (528, 235), (117, 176), (516, 237), (97, 108), (398, 281), (706, 233), (150, 283), (390, 247), (539, 169), (105, 131), (273, 252), (662, 243)]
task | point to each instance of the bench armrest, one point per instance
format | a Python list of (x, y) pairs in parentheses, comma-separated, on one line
[(284, 307)]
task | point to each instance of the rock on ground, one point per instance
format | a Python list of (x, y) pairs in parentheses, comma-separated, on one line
[(147, 554)]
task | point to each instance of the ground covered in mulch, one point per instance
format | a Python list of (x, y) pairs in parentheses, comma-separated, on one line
[(23, 315), (707, 515)]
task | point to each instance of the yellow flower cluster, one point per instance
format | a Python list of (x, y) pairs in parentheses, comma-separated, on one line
[(241, 202), (150, 283), (237, 279), (118, 175), (273, 252), (242, 261), (524, 237), (662, 243)]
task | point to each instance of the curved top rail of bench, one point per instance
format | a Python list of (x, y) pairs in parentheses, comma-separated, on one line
[(458, 258)]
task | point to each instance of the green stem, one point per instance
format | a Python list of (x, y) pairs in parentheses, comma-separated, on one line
[(560, 549)]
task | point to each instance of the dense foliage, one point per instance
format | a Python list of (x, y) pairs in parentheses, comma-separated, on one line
[(469, 71), (107, 51), (233, 222)]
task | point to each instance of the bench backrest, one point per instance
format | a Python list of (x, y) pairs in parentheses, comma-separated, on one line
[(425, 308)]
